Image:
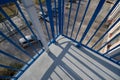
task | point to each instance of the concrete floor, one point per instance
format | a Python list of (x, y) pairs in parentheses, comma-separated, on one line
[(66, 62)]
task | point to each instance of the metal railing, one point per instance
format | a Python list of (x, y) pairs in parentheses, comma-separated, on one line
[(58, 19)]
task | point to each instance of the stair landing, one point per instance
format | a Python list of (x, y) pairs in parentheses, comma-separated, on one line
[(66, 62)]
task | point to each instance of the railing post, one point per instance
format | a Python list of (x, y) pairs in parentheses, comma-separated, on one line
[(97, 10), (62, 18), (69, 18), (108, 14), (105, 33), (59, 11), (50, 14), (30, 8), (109, 51), (83, 17), (41, 8)]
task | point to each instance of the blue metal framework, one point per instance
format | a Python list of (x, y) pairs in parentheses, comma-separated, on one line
[(106, 33), (97, 10), (59, 23), (2, 2), (82, 19), (103, 21), (41, 8), (50, 14), (69, 17), (62, 12), (56, 7), (11, 56), (109, 41), (75, 17), (59, 15), (112, 49)]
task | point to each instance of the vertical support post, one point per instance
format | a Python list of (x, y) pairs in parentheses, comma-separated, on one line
[(30, 8), (103, 21), (83, 17), (62, 12), (115, 12), (23, 16), (69, 16), (50, 14), (41, 8), (76, 15), (59, 11), (109, 51), (13, 57), (97, 10), (105, 33), (56, 22)]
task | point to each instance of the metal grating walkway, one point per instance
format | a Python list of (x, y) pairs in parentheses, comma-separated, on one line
[(66, 62)]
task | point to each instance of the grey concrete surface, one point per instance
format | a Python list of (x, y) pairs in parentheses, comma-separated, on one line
[(66, 62)]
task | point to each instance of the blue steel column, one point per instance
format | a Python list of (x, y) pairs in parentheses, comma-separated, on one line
[(62, 12), (111, 49), (43, 14), (105, 33), (25, 20), (11, 56), (103, 21), (109, 41), (59, 11), (16, 28), (83, 17), (97, 10), (56, 21), (70, 10), (50, 14), (9, 67), (12, 42), (2, 2), (76, 15), (22, 14)]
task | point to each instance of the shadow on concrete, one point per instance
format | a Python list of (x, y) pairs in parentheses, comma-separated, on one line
[(67, 70)]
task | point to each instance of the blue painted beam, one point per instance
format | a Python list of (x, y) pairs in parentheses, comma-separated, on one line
[(12, 42), (24, 18), (27, 66), (115, 55), (109, 41), (11, 56), (50, 14), (111, 49), (46, 26), (70, 10), (56, 18), (103, 21), (59, 16), (105, 33), (16, 28), (76, 15), (62, 17), (9, 67), (101, 54), (97, 10), (7, 77), (32, 61), (2, 2), (83, 17)]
